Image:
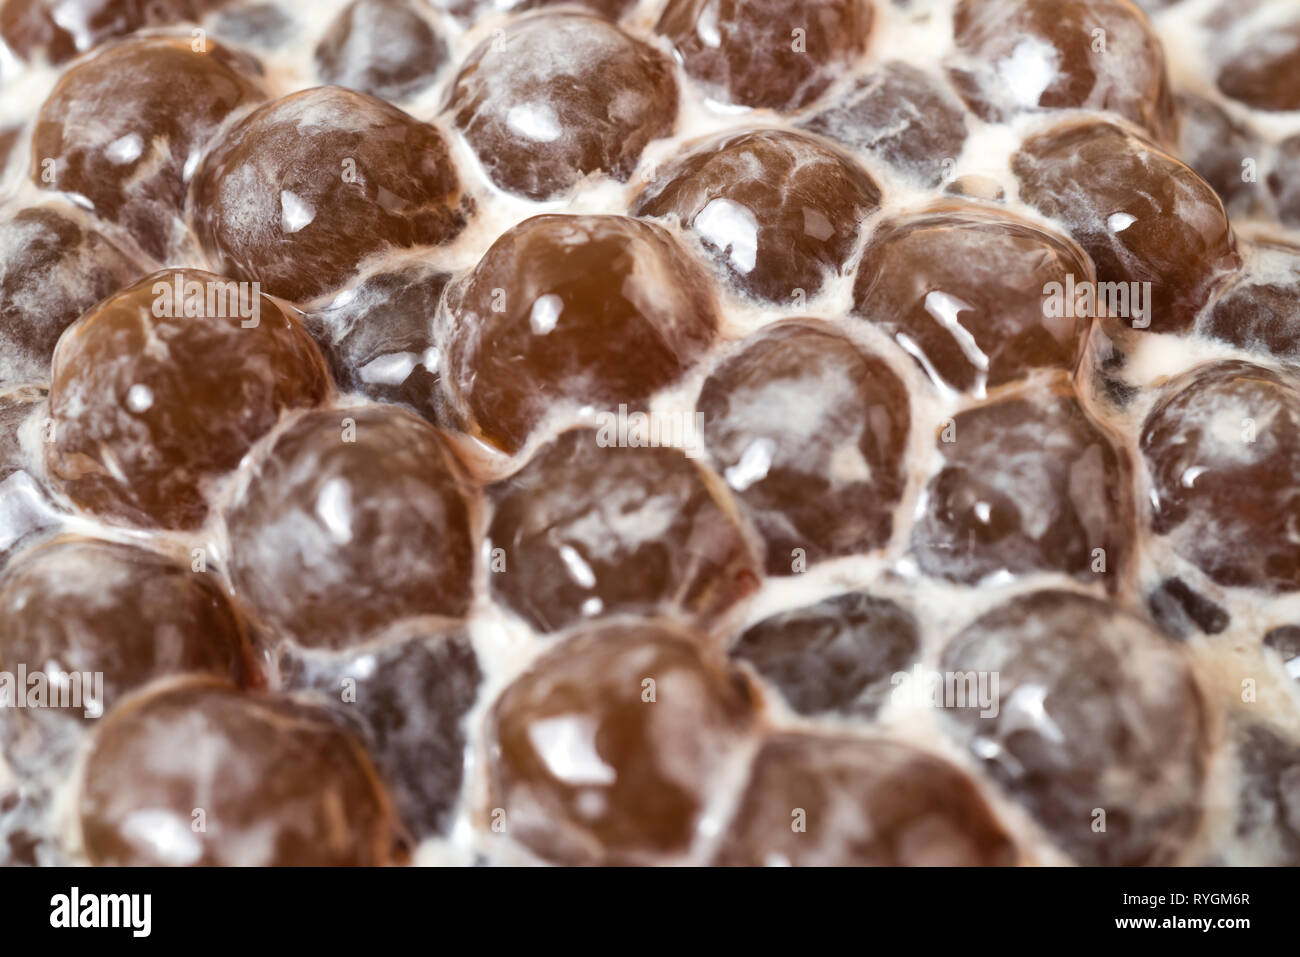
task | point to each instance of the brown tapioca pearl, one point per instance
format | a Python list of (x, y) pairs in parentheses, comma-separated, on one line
[(1260, 309), (17, 404), (556, 97), (1284, 181), (58, 30), (1260, 67), (1096, 727), (589, 528), (1029, 483), (575, 311), (382, 47), (162, 388), (1223, 151), (378, 337), (966, 291), (899, 115), (811, 433), (1223, 452), (779, 211), (199, 773), (767, 53), (1268, 796), (130, 615), (128, 150), (408, 701), (297, 194), (52, 269), (355, 518), (1026, 55), (838, 655), (1142, 215), (845, 802), (609, 749)]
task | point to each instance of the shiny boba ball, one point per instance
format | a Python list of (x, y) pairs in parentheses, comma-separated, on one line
[(408, 700), (965, 291), (299, 193), (846, 802), (378, 336), (130, 614), (900, 115), (1015, 56), (837, 656), (382, 47), (53, 268), (556, 97), (822, 478), (1260, 310), (1260, 65), (778, 211), (766, 53), (1028, 483), (353, 519), (273, 781), (1139, 213), (127, 150), (591, 528), (571, 311), (58, 30), (1222, 449), (161, 389), (1099, 729), (612, 747)]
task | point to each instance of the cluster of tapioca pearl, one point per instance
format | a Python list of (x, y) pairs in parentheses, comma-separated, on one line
[(601, 311)]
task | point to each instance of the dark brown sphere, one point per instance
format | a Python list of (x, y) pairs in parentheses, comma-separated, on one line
[(1026, 55), (128, 150), (1139, 213), (300, 192), (58, 30), (1028, 483), (157, 393), (964, 290), (900, 115), (197, 773), (846, 802), (588, 528), (610, 748), (1261, 68), (378, 336), (556, 97), (1097, 714), (811, 433), (1260, 309), (837, 656), (382, 47), (52, 269), (1217, 147), (778, 211), (354, 518), (571, 311), (767, 53), (130, 614), (407, 700), (1223, 452)]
